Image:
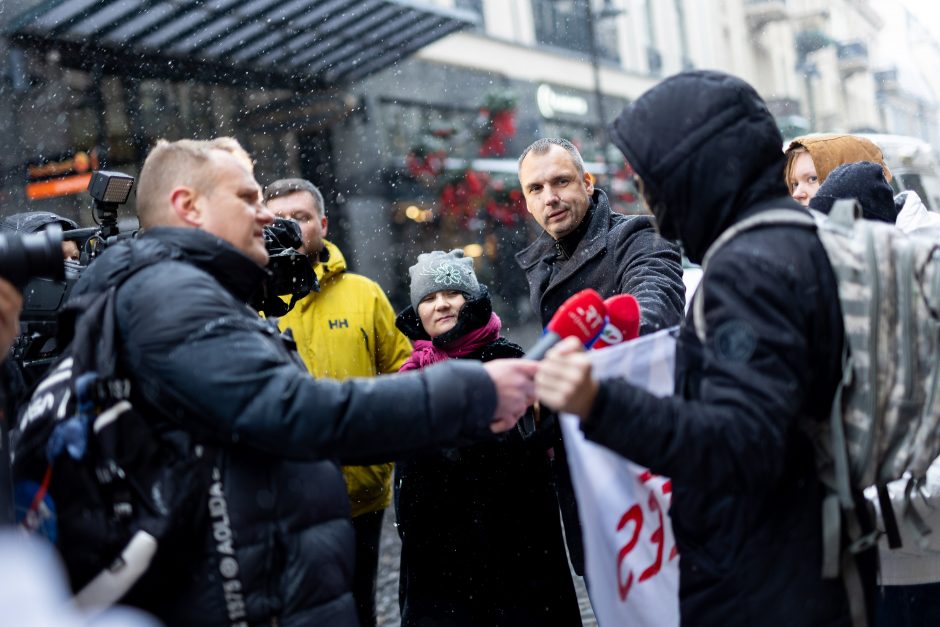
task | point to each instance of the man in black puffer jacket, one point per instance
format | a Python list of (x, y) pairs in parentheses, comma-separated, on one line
[(276, 543), (746, 506)]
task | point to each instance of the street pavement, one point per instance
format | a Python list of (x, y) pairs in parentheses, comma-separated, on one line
[(387, 584)]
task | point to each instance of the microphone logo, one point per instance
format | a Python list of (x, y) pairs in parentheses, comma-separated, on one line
[(588, 320), (611, 335)]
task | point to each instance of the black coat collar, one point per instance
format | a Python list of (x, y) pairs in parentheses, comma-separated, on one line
[(230, 267)]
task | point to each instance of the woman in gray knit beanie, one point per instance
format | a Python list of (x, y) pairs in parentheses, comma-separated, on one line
[(459, 566)]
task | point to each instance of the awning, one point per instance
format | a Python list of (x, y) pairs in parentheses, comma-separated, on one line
[(289, 43)]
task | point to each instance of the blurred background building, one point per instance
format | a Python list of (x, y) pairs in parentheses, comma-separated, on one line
[(410, 114)]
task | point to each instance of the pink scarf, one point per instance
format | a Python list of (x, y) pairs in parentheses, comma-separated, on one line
[(426, 353)]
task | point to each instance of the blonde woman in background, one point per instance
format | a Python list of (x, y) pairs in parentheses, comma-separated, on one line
[(811, 158)]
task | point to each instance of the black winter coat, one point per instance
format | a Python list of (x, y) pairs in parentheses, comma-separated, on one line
[(481, 540), (613, 254), (278, 548), (746, 505)]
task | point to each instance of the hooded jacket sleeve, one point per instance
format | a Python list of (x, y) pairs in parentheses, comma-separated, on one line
[(734, 434), (216, 363)]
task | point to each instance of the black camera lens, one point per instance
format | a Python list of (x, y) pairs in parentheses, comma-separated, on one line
[(24, 256)]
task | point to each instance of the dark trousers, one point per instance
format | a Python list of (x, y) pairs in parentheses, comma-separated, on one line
[(368, 529), (909, 606)]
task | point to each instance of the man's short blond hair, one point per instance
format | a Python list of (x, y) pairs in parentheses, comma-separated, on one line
[(181, 163)]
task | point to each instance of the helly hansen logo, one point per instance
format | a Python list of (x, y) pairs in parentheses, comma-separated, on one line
[(339, 324)]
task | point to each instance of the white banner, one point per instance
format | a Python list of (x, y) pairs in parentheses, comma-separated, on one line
[(630, 553)]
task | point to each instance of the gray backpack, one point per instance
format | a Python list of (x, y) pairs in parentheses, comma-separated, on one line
[(885, 416)]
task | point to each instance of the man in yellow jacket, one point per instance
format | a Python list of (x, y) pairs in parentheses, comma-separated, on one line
[(347, 329)]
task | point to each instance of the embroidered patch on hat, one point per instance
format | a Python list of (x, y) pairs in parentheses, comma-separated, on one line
[(445, 274)]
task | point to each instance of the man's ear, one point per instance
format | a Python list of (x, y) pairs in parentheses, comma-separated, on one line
[(589, 182), (183, 200), (324, 225)]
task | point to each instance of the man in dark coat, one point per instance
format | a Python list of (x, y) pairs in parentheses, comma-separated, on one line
[(276, 544), (746, 505), (585, 244)]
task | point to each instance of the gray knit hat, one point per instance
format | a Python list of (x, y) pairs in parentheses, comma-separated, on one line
[(437, 271)]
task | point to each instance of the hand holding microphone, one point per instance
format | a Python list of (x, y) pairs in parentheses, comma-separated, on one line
[(564, 381), (582, 316)]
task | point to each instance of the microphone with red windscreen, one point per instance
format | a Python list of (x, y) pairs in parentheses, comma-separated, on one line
[(623, 315), (583, 316)]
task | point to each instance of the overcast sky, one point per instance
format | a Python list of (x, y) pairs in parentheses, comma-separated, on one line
[(915, 63), (927, 12)]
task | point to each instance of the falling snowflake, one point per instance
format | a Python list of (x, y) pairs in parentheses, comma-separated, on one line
[(445, 274)]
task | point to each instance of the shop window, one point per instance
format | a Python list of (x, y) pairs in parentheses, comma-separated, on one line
[(160, 109), (581, 134), (475, 7), (408, 124), (562, 23)]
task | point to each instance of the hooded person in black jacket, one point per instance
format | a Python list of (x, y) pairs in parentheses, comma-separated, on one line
[(275, 543), (746, 506)]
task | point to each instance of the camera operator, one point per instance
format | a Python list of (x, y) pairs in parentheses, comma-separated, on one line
[(276, 544), (24, 255), (36, 221), (11, 301), (345, 330), (37, 321)]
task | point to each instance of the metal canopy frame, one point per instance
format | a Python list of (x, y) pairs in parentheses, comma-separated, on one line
[(270, 43)]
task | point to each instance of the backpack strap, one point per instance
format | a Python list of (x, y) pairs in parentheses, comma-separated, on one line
[(764, 218), (838, 507), (887, 513), (844, 212)]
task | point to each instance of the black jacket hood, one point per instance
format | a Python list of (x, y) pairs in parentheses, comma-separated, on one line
[(708, 151)]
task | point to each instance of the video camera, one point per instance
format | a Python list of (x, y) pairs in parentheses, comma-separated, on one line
[(44, 293), (24, 256), (34, 263), (290, 273), (108, 190)]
